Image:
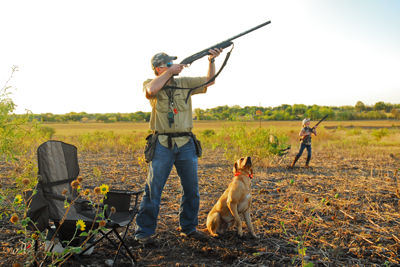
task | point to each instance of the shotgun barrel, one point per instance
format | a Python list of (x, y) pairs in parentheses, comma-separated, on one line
[(223, 44)]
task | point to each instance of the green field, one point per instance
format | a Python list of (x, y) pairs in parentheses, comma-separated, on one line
[(71, 128)]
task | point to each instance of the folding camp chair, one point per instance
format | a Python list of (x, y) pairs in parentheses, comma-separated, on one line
[(58, 167)]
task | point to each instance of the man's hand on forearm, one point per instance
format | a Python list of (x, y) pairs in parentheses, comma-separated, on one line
[(214, 53)]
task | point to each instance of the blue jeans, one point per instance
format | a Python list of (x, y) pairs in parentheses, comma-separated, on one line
[(302, 147), (186, 162)]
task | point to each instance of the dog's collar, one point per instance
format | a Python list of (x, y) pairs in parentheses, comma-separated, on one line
[(239, 173)]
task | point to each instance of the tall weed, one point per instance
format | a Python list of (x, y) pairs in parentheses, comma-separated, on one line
[(241, 139), (101, 141)]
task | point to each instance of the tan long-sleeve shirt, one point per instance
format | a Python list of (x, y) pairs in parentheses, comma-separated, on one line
[(183, 119)]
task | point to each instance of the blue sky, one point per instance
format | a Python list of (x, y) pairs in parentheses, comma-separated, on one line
[(93, 56)]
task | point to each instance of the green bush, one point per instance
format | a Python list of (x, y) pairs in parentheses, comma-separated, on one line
[(47, 131), (207, 133), (261, 144), (355, 131), (378, 134)]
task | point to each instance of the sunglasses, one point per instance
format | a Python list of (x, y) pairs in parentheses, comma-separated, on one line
[(169, 64)]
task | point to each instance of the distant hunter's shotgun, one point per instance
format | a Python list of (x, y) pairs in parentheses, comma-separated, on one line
[(205, 52), (326, 116)]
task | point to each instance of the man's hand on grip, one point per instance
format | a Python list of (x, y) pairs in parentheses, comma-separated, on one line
[(176, 69)]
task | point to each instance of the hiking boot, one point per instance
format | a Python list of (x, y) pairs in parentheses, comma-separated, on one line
[(196, 236), (146, 240), (294, 162), (308, 162)]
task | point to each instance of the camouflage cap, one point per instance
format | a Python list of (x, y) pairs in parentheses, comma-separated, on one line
[(159, 59), (306, 120)]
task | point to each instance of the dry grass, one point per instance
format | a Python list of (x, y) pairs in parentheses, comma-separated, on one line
[(76, 128), (344, 210)]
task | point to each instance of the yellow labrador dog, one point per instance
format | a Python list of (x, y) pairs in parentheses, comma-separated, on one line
[(234, 201)]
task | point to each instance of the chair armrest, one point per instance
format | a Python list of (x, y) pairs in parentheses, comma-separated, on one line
[(135, 192), (120, 199)]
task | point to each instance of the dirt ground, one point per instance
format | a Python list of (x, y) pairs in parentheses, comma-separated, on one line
[(344, 210)]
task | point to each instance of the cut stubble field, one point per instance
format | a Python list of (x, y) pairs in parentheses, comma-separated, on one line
[(344, 211)]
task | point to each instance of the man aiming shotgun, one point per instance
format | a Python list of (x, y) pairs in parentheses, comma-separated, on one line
[(172, 142)]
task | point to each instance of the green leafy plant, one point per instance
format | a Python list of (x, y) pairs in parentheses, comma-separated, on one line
[(14, 130), (240, 139), (47, 132), (207, 133), (378, 134), (355, 131)]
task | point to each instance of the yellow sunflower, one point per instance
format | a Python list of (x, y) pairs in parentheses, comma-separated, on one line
[(104, 189), (18, 199), (87, 192), (80, 224)]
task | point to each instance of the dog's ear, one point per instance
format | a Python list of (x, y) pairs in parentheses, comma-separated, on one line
[(235, 167)]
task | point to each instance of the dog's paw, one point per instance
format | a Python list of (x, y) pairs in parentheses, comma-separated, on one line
[(255, 236)]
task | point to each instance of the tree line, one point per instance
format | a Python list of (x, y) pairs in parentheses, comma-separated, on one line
[(360, 111)]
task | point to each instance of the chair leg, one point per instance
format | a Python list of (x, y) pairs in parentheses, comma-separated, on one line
[(80, 260), (105, 235), (122, 243), (36, 249)]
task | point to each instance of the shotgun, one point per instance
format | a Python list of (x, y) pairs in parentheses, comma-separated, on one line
[(223, 44), (326, 116), (303, 137)]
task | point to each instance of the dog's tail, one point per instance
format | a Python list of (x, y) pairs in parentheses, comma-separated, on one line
[(207, 231)]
